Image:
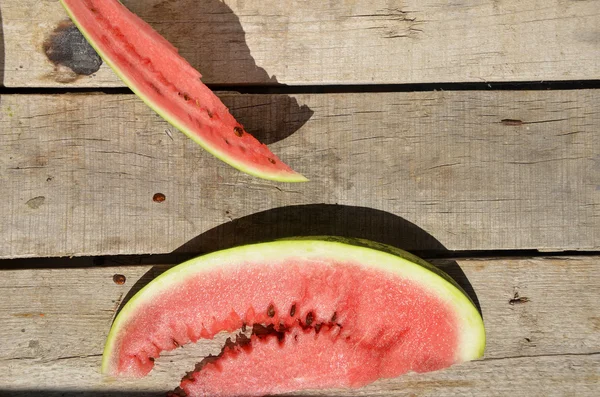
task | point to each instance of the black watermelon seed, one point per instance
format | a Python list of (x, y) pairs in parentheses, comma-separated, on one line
[(310, 317)]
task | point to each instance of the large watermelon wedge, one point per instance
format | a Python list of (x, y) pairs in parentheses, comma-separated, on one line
[(324, 312), (154, 70)]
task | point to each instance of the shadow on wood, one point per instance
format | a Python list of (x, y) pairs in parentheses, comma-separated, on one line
[(316, 220), (269, 118), (220, 51), (222, 55)]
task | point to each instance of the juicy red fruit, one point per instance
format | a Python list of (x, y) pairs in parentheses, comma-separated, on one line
[(154, 70), (320, 314), (317, 294)]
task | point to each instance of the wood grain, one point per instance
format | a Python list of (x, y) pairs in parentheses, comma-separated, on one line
[(55, 321), (424, 171), (343, 42)]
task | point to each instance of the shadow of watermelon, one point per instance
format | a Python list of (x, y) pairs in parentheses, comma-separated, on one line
[(315, 220), (211, 38), (208, 35), (269, 117)]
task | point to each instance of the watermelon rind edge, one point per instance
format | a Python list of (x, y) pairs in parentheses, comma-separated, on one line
[(394, 260), (277, 177)]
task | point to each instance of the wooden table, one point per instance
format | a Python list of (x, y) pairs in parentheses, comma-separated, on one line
[(464, 131)]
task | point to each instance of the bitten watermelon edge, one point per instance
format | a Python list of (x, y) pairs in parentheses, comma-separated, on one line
[(326, 312)]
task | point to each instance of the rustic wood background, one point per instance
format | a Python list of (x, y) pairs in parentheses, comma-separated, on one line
[(481, 168)]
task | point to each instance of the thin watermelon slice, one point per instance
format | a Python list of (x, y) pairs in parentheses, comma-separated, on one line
[(154, 70), (324, 312)]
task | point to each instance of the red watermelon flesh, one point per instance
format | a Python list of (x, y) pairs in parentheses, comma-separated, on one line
[(166, 82), (326, 314)]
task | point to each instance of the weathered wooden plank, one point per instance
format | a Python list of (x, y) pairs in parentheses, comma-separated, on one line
[(316, 42), (553, 376), (55, 321), (79, 173)]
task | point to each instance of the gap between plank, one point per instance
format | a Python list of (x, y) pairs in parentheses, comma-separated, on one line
[(334, 89), (176, 258)]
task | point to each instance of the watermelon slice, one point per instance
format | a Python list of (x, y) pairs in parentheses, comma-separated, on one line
[(323, 312), (154, 71)]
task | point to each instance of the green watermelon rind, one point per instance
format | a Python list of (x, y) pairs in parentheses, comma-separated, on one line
[(389, 249), (472, 335), (278, 177)]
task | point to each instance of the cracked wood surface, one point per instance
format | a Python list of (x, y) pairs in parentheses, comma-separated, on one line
[(80, 171), (55, 321), (343, 42)]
